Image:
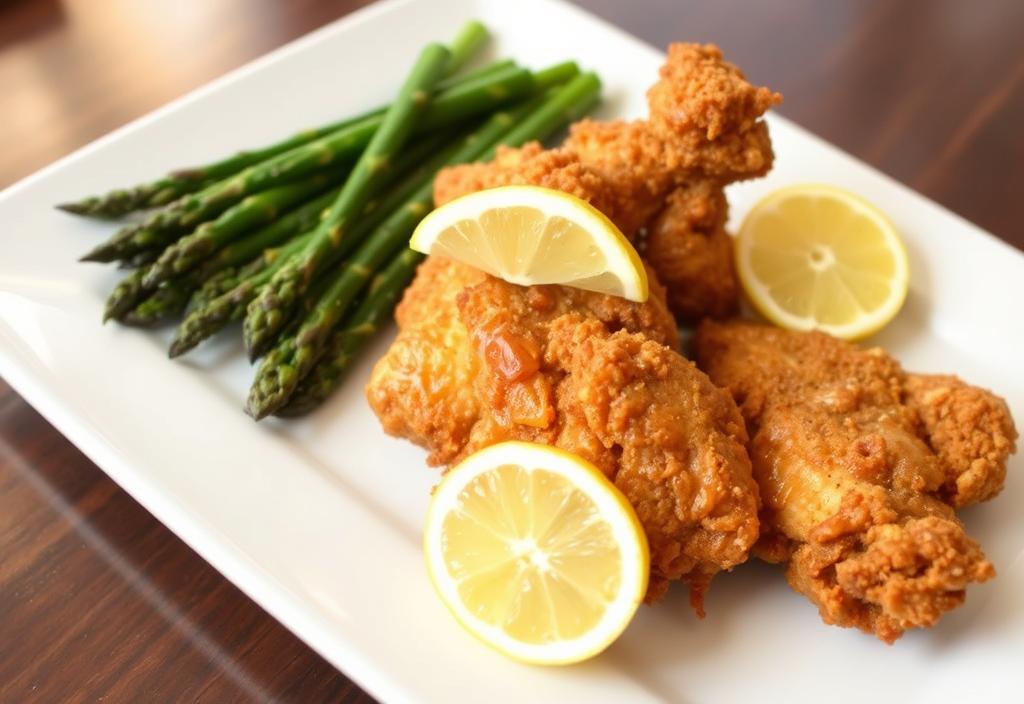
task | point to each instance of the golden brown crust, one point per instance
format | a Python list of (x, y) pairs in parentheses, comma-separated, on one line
[(969, 428), (892, 577), (427, 367), (859, 466), (670, 440), (701, 92), (692, 253)]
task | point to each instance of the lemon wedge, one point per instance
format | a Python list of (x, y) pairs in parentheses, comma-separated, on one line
[(536, 553), (529, 235), (816, 257)]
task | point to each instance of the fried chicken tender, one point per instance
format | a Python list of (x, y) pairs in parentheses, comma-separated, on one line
[(424, 369), (595, 375), (689, 243), (860, 466), (650, 176)]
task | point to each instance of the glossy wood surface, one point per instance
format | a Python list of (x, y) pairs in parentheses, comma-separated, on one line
[(100, 601)]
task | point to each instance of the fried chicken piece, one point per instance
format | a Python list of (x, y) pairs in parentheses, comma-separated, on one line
[(423, 369), (595, 375), (855, 499), (423, 388), (688, 245), (703, 133), (699, 91)]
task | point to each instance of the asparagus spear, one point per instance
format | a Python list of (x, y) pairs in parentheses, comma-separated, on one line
[(222, 281), (167, 300), (210, 317), (169, 188), (470, 39), (258, 209), (118, 202), (291, 282), (122, 201), (126, 294), (357, 330), (130, 291), (293, 223), (166, 225), (189, 251)]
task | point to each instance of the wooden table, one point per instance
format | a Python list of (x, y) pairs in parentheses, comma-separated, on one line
[(99, 600)]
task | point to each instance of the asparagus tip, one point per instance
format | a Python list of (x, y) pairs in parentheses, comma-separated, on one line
[(73, 208), (99, 255), (187, 174), (254, 411)]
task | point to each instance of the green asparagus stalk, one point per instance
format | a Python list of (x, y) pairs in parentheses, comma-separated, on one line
[(566, 105), (197, 247), (258, 209), (230, 306), (554, 75), (470, 39), (118, 202), (126, 295), (223, 280), (166, 301), (451, 107), (209, 317), (293, 223), (130, 291), (166, 226), (263, 322), (358, 329), (122, 201)]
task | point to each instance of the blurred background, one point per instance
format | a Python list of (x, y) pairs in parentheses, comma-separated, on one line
[(97, 599), (929, 91)]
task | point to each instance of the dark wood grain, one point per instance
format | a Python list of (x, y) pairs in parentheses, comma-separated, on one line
[(97, 599)]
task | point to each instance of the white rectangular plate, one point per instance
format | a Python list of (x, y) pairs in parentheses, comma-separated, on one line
[(319, 521)]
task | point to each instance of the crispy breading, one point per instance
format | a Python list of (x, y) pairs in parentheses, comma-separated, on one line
[(422, 389), (423, 369), (700, 92), (596, 375), (858, 496), (970, 430), (704, 132), (689, 248), (669, 439)]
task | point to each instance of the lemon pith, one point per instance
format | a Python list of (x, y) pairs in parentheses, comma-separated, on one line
[(817, 257), (536, 553), (531, 235)]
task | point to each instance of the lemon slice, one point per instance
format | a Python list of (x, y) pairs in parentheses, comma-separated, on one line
[(536, 553), (529, 235), (816, 257)]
